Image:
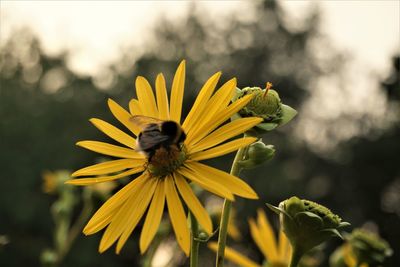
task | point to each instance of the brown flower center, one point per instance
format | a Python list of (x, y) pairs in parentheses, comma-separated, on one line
[(166, 160)]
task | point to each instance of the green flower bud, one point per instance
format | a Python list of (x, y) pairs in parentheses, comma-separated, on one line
[(306, 223), (368, 247), (203, 236), (265, 104), (257, 154)]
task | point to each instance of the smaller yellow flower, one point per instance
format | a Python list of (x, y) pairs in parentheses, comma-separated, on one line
[(349, 257), (233, 230), (276, 252), (53, 181), (49, 182)]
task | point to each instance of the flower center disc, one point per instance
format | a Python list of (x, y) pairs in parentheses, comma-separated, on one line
[(166, 160)]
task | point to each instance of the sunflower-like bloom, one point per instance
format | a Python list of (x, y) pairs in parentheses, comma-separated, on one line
[(276, 253), (168, 180)]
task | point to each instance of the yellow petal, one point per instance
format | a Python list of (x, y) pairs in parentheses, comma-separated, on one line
[(146, 97), (193, 203), (191, 121), (110, 150), (177, 215), (223, 149), (215, 105), (268, 236), (123, 218), (153, 217), (285, 250), (349, 257), (232, 183), (101, 223), (226, 132), (134, 107), (122, 116), (215, 121), (96, 223), (178, 85), (136, 209), (234, 256), (114, 133), (258, 238), (233, 231), (102, 179), (207, 183), (109, 167), (162, 98)]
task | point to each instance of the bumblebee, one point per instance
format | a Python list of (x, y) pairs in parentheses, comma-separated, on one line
[(159, 140)]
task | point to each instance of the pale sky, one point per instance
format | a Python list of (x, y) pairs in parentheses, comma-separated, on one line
[(367, 30)]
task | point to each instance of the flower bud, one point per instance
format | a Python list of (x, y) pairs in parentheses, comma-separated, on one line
[(257, 154), (203, 236), (306, 223), (265, 104), (368, 247), (53, 182)]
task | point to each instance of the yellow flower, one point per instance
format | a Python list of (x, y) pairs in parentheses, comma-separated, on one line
[(204, 137), (349, 258), (49, 182), (276, 253)]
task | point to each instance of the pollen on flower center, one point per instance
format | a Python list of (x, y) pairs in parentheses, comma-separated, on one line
[(166, 160)]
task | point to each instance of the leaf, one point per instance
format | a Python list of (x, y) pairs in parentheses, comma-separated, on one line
[(288, 113), (267, 126), (309, 220)]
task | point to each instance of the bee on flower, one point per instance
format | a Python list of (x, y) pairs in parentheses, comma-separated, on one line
[(162, 153)]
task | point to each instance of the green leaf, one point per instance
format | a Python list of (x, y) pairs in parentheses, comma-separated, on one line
[(308, 220), (344, 224), (278, 210), (288, 113), (267, 126), (333, 232), (274, 209)]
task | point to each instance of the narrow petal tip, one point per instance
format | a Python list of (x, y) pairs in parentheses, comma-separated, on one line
[(79, 143)]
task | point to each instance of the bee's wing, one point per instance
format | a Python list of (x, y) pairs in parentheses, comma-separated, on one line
[(143, 121), (151, 137)]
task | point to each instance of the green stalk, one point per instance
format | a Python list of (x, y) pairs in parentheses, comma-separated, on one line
[(76, 229), (295, 259), (226, 209), (194, 244)]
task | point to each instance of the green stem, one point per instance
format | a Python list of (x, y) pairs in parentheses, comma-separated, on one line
[(295, 259), (194, 245), (226, 209), (76, 229)]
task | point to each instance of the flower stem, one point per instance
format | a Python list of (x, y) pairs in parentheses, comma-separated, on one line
[(77, 227), (194, 245), (295, 259), (226, 209)]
